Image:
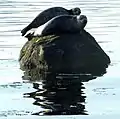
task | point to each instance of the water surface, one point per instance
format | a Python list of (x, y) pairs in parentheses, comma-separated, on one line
[(101, 95)]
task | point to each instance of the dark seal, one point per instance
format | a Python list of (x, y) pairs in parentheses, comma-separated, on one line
[(64, 24), (48, 14)]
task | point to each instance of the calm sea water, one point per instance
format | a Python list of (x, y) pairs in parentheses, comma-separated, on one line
[(101, 96)]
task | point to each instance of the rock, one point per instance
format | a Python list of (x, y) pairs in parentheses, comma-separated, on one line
[(67, 53)]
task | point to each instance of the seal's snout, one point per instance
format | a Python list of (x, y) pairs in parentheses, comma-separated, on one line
[(83, 19)]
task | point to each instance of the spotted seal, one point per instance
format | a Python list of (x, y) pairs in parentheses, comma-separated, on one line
[(48, 14), (64, 24)]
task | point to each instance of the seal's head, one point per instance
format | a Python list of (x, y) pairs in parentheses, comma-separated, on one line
[(75, 11), (82, 21), (83, 18)]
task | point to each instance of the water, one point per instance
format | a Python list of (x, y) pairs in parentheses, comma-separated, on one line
[(101, 95)]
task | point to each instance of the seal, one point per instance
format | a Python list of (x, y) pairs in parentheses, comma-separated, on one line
[(48, 14), (64, 24)]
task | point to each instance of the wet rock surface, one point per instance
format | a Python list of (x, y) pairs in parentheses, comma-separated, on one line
[(67, 53)]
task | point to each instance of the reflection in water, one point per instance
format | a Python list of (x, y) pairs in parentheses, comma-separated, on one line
[(61, 94)]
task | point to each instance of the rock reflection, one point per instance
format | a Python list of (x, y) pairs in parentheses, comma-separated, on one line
[(61, 94)]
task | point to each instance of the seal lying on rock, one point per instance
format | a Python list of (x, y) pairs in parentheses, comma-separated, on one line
[(48, 14), (62, 24), (65, 24)]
